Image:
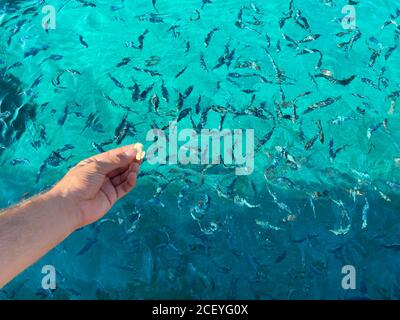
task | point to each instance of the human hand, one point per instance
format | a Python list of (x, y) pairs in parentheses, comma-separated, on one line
[(93, 186)]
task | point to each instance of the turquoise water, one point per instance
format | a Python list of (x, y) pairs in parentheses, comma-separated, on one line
[(286, 230)]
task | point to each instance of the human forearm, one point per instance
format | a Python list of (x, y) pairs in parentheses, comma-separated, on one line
[(31, 229)]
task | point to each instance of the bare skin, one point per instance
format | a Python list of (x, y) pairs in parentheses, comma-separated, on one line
[(86, 193)]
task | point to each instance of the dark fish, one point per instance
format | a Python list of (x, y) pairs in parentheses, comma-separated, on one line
[(370, 83), (311, 142), (328, 75), (140, 41), (154, 3), (389, 52), (116, 82), (350, 43), (197, 17), (181, 72), (135, 92), (375, 54), (34, 51), (164, 92), (208, 37), (187, 92), (123, 62), (89, 244), (83, 42), (288, 16), (301, 21), (53, 57), (179, 103), (187, 47), (197, 106), (121, 130), (203, 118), (183, 114), (265, 139), (239, 20), (333, 153), (151, 73), (173, 28), (321, 132), (204, 3), (202, 62), (87, 4), (63, 118), (322, 104), (146, 91)]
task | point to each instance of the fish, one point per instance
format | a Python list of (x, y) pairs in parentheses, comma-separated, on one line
[(63, 118), (83, 41), (179, 103), (164, 92), (89, 244), (351, 42), (265, 139), (370, 83), (311, 142), (122, 130), (389, 52), (333, 153), (180, 72), (204, 2), (187, 92), (154, 3), (146, 91), (34, 51), (116, 82), (209, 36), (19, 161), (173, 28), (140, 41), (87, 4), (155, 102), (123, 62), (53, 57), (288, 15), (135, 92), (197, 106), (183, 114), (203, 64), (197, 16), (301, 21), (375, 54), (322, 104), (321, 132), (150, 17), (203, 118), (151, 73), (326, 74)]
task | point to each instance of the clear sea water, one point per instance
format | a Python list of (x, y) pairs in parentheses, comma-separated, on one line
[(283, 232)]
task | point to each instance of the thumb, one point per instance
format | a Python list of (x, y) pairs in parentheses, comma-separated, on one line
[(118, 158)]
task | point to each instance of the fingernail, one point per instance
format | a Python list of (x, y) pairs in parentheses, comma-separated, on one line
[(140, 155)]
